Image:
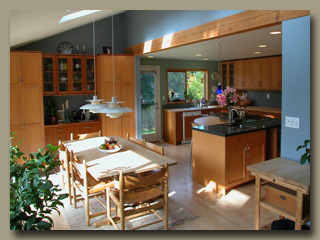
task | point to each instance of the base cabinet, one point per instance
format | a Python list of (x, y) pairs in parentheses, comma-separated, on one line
[(224, 166)]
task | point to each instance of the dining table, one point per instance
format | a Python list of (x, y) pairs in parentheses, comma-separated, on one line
[(132, 158)]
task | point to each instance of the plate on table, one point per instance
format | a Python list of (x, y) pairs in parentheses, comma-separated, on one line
[(111, 150)]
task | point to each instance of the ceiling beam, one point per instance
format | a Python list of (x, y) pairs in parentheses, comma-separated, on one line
[(238, 23)]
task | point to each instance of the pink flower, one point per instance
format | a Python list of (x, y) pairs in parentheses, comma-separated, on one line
[(229, 97)]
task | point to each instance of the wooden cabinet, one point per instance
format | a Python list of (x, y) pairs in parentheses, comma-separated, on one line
[(222, 161), (120, 83), (26, 102), (68, 74), (62, 132), (256, 74), (227, 74)]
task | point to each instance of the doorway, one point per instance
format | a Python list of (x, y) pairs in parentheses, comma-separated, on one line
[(150, 103)]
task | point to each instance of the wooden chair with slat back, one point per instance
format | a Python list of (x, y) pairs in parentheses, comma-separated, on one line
[(89, 135), (136, 196), (135, 140), (153, 147), (87, 186), (65, 170)]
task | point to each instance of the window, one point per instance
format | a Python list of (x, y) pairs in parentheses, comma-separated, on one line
[(187, 85)]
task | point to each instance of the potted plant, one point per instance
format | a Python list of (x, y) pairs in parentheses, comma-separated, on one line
[(305, 158), (33, 196), (51, 109)]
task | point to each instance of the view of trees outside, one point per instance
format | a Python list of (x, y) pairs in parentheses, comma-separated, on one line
[(147, 103), (177, 87)]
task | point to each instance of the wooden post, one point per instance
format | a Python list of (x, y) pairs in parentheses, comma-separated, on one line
[(299, 210), (257, 203)]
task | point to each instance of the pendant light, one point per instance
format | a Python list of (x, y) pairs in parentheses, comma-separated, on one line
[(219, 89), (95, 104), (113, 108)]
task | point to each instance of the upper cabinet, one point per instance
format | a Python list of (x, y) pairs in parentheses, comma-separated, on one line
[(254, 74), (227, 74), (68, 74)]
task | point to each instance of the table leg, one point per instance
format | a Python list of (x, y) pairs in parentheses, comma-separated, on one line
[(257, 203), (299, 204)]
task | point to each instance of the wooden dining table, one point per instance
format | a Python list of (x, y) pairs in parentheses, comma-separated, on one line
[(131, 159)]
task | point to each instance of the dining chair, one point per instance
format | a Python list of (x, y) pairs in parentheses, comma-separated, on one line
[(153, 147), (135, 140), (136, 196), (87, 186), (65, 169), (87, 135)]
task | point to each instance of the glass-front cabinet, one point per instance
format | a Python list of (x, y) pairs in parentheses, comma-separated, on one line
[(227, 74), (68, 74)]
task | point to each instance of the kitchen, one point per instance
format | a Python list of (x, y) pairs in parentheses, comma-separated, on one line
[(288, 143)]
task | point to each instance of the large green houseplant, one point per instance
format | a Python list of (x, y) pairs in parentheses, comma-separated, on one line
[(305, 158), (33, 196)]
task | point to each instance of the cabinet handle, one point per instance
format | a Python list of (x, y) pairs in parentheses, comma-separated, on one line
[(21, 125), (87, 127), (249, 151), (59, 130), (246, 154), (59, 139), (236, 140), (25, 125)]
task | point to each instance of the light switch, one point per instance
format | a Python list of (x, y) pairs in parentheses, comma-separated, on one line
[(292, 122), (163, 98), (268, 96)]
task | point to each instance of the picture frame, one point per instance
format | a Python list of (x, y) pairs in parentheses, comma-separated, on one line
[(60, 116)]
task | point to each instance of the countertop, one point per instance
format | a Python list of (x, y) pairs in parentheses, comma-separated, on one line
[(72, 123), (226, 131), (249, 108)]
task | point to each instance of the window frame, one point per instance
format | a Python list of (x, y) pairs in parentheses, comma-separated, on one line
[(206, 83)]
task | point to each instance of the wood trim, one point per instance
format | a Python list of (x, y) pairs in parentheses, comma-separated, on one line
[(238, 23)]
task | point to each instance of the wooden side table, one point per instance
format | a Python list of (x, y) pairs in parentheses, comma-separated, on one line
[(286, 173)]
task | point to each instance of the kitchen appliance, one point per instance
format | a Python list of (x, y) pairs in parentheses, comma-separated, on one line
[(86, 115), (187, 119)]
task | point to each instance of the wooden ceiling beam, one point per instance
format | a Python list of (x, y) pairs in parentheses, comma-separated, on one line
[(238, 23)]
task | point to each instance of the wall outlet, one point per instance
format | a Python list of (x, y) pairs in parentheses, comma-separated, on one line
[(163, 98), (292, 122), (268, 96)]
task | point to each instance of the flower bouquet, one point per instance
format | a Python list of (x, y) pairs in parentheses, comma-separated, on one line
[(229, 97)]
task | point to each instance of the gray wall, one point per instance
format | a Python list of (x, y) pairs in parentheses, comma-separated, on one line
[(84, 36), (259, 98), (295, 84)]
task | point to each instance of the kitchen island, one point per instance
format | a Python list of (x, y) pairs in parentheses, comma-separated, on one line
[(221, 153)]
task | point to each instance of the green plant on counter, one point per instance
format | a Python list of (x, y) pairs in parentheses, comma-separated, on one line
[(33, 197), (306, 156), (51, 107)]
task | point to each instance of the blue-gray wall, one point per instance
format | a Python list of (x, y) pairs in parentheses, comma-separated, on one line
[(295, 84)]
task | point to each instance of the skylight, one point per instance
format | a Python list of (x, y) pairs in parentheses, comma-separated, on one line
[(78, 14)]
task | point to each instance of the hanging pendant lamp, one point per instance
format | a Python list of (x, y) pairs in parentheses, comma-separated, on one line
[(219, 89), (95, 104), (113, 108)]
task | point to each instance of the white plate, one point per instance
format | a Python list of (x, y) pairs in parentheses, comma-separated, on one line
[(111, 150)]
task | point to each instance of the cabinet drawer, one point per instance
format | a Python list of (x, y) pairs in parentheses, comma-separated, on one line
[(58, 130), (256, 136), (285, 198), (236, 140), (54, 139), (87, 128)]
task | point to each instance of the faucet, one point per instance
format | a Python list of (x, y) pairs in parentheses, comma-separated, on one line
[(231, 120)]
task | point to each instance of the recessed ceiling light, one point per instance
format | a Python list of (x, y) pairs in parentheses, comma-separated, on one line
[(275, 32), (198, 54), (150, 56), (256, 52), (206, 59), (263, 45)]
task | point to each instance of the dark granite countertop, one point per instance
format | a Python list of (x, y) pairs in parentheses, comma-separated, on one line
[(225, 130)]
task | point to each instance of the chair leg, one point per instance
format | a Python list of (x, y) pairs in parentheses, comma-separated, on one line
[(108, 206), (87, 210), (74, 193), (122, 226)]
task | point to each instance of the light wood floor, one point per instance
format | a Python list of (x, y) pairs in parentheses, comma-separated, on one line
[(235, 211)]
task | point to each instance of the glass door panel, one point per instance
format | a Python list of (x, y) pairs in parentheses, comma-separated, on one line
[(63, 74), (224, 75), (90, 75), (48, 74), (231, 74), (150, 111), (77, 77)]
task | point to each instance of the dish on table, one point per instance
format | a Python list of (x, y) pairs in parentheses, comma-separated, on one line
[(111, 150)]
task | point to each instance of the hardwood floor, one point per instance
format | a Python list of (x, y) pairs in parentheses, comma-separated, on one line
[(235, 211)]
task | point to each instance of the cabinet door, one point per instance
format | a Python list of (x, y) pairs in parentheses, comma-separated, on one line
[(89, 75), (265, 73), (256, 154), (111, 126), (49, 78), (239, 81), (276, 73), (105, 69), (63, 75), (224, 75), (126, 121), (32, 105), (77, 80), (256, 71), (188, 126), (33, 137), (17, 136), (15, 106), (125, 69), (235, 164), (15, 73), (31, 68), (248, 75)]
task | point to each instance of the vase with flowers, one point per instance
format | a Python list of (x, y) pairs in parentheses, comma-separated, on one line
[(229, 97)]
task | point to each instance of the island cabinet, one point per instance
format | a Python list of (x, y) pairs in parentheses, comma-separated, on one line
[(26, 101), (220, 162), (120, 84)]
